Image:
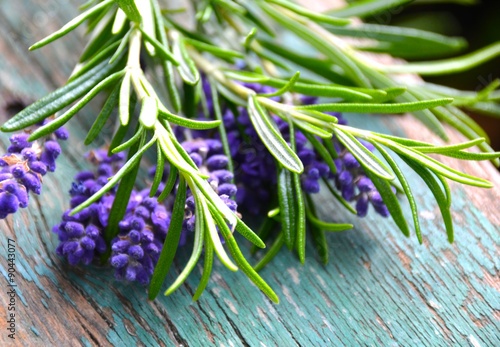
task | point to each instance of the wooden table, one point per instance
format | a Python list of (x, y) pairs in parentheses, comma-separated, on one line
[(379, 288)]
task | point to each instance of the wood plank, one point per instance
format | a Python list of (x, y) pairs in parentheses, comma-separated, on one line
[(378, 289)]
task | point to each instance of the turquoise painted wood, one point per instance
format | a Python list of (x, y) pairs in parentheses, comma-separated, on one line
[(379, 289)]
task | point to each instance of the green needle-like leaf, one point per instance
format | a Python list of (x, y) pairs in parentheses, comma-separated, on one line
[(315, 16), (248, 233), (441, 198), (286, 88), (103, 116), (188, 123), (330, 49), (199, 233), (241, 262), (333, 227), (214, 235), (447, 66), (71, 25), (57, 100), (130, 9), (406, 187), (162, 50), (187, 68), (390, 201), (378, 108), (169, 185), (130, 142), (216, 51), (171, 241), (288, 209), (364, 155), (271, 138), (160, 168), (207, 266), (66, 116), (367, 8)]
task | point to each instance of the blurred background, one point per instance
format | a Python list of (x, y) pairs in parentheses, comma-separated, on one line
[(477, 21)]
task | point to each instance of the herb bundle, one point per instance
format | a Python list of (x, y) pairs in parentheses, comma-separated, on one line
[(240, 124)]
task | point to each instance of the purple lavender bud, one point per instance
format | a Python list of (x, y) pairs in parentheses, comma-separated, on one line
[(345, 178), (105, 170), (70, 247), (18, 142), (350, 162), (147, 236), (136, 252), (22, 197), (365, 184), (348, 192), (29, 154), (18, 171), (310, 186), (313, 173), (227, 189), (5, 176), (362, 206), (233, 206), (84, 176), (92, 231), (61, 134), (376, 198), (197, 159), (224, 176), (135, 236), (38, 167), (137, 223), (120, 246), (381, 210), (142, 212), (74, 229), (150, 203), (190, 224), (87, 243), (131, 273), (8, 203), (119, 261), (32, 182), (217, 162)]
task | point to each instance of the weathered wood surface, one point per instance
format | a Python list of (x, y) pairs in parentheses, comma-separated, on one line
[(379, 288)]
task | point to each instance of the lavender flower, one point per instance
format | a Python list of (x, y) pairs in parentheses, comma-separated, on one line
[(255, 168), (135, 251), (353, 184), (21, 170), (81, 235), (208, 155)]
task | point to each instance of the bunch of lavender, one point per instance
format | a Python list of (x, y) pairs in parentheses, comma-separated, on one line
[(134, 29), (22, 169)]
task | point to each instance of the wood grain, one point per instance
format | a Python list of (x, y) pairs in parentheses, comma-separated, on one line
[(379, 289)]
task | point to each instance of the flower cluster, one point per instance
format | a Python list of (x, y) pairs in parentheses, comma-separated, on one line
[(142, 231), (136, 249), (22, 169), (81, 235), (354, 185), (208, 155), (255, 168)]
